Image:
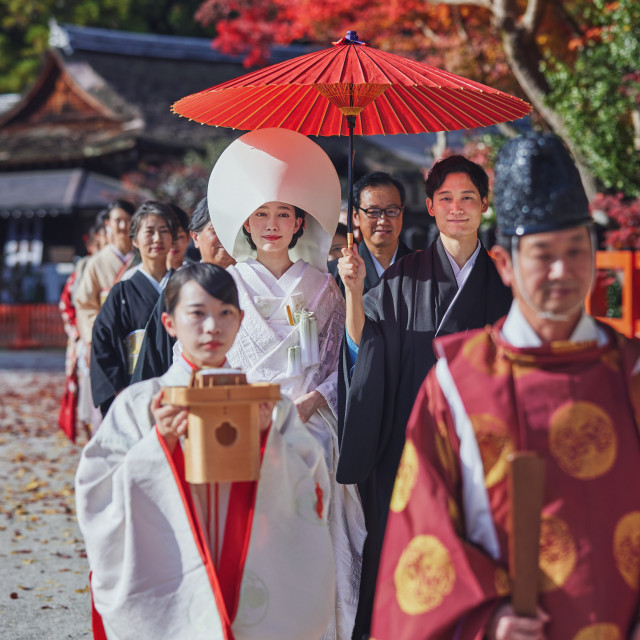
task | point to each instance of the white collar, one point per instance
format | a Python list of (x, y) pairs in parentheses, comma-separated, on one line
[(123, 256), (520, 334), (379, 268), (158, 286), (189, 368), (461, 275)]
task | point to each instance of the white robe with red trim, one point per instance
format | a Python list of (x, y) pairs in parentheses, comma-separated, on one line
[(149, 579)]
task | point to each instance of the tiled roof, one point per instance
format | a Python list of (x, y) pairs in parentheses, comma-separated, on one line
[(74, 38), (53, 192), (103, 92)]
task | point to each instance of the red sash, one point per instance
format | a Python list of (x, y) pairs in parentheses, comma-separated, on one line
[(226, 581), (96, 621), (237, 533)]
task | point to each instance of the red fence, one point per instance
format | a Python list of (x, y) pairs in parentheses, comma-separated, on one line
[(37, 326), (627, 263), (31, 326)]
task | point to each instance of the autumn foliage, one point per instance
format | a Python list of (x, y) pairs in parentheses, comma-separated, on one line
[(625, 214), (569, 59), (459, 38)]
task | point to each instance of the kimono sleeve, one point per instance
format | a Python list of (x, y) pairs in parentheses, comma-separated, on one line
[(109, 371), (67, 310), (87, 300), (146, 569), (156, 352), (330, 340), (364, 404), (302, 445), (432, 582)]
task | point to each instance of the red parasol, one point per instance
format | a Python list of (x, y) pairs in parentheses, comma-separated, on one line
[(378, 92)]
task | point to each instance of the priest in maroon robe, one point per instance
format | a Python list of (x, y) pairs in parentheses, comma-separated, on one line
[(547, 379)]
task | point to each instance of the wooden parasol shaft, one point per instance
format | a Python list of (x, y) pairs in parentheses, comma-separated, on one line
[(526, 487)]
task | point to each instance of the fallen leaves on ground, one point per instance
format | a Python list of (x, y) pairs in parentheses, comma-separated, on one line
[(39, 536)]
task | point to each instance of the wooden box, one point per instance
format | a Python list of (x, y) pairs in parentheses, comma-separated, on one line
[(223, 436)]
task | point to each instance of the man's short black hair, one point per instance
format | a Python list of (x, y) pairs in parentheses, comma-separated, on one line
[(456, 164), (377, 179), (200, 217)]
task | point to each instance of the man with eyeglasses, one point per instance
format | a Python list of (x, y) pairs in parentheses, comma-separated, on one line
[(452, 286), (379, 200)]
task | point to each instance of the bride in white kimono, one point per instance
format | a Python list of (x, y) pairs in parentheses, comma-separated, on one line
[(274, 199)]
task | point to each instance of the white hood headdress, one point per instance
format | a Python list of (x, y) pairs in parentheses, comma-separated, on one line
[(275, 165)]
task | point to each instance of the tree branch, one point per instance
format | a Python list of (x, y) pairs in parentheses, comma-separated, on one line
[(533, 15)]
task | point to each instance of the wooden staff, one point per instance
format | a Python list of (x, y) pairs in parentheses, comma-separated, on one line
[(526, 486)]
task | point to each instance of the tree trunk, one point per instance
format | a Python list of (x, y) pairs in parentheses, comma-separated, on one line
[(524, 58)]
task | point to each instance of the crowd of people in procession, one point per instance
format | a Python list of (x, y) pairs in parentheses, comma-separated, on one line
[(408, 378)]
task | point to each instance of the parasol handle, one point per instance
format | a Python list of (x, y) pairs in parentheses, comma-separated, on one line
[(526, 487), (351, 123)]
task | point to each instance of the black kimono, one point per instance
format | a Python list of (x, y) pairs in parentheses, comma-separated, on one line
[(116, 332), (405, 311), (156, 353), (372, 277)]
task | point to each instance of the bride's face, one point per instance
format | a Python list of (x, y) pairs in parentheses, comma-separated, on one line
[(272, 226)]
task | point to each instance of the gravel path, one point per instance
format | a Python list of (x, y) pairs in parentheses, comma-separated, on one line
[(45, 594)]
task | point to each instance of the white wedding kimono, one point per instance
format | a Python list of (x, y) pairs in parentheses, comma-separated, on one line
[(150, 576), (262, 351)]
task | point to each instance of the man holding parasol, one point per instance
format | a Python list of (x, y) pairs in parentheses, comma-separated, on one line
[(452, 286)]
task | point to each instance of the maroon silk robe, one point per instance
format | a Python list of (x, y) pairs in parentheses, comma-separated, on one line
[(576, 404)]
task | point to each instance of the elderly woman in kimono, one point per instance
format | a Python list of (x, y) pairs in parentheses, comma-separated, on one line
[(274, 199), (212, 561)]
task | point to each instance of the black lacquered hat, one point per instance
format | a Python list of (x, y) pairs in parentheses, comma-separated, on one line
[(537, 187)]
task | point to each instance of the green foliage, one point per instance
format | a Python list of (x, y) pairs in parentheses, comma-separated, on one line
[(24, 30), (596, 93)]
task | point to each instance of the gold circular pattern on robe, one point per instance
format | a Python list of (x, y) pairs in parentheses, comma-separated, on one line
[(424, 576), (405, 478), (495, 445), (626, 548), (599, 631), (583, 440), (558, 555), (478, 353)]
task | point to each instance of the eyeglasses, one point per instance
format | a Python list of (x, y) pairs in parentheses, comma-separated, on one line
[(389, 212)]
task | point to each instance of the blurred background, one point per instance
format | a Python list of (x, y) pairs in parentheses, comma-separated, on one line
[(86, 89)]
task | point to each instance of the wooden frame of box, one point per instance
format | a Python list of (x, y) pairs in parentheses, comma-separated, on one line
[(223, 436)]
